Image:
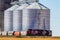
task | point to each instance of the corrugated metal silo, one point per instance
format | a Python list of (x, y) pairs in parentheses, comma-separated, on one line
[(45, 13), (35, 17), (17, 18), (8, 18)]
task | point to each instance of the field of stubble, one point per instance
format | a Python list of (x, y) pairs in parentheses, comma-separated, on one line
[(30, 38)]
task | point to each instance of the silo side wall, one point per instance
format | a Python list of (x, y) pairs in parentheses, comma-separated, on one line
[(29, 18), (17, 20), (36, 19), (8, 23), (45, 19)]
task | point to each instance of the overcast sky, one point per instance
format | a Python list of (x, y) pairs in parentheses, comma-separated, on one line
[(54, 6)]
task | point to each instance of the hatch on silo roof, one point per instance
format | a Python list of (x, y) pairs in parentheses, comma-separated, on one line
[(36, 5)]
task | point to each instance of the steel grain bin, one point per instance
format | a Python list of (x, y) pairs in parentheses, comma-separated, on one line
[(35, 17), (17, 18), (8, 18)]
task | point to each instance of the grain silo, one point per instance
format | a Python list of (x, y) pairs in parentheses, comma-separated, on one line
[(30, 18), (8, 18), (17, 17), (33, 17), (36, 17)]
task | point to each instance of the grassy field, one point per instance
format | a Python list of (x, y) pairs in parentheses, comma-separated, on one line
[(30, 38)]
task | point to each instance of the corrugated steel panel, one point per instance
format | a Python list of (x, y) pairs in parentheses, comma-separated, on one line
[(17, 18), (36, 16), (29, 18), (8, 18)]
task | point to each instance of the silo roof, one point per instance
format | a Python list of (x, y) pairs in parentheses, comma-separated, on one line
[(12, 8), (22, 6), (36, 5)]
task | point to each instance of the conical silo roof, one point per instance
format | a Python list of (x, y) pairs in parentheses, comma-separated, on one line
[(12, 8), (22, 6), (36, 5)]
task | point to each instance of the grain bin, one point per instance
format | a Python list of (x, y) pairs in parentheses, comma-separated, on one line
[(8, 18), (17, 18), (34, 17)]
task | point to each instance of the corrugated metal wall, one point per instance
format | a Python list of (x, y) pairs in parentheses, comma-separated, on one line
[(45, 18), (36, 19)]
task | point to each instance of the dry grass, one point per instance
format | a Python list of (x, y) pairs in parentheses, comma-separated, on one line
[(29, 38)]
